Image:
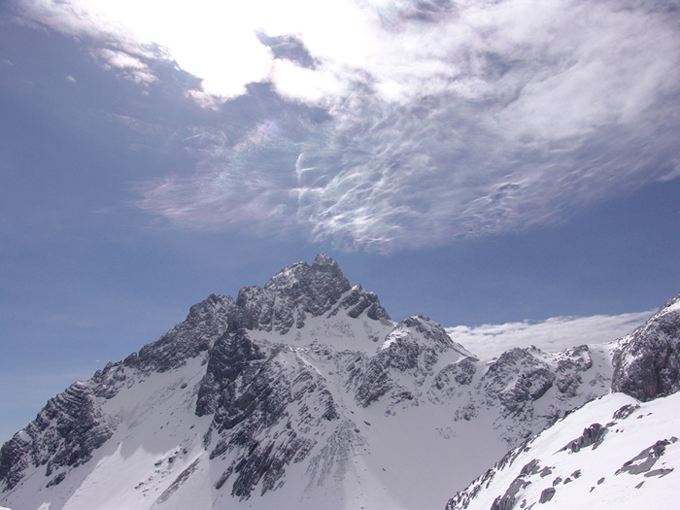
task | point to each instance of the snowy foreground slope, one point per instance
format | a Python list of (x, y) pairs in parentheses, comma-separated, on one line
[(620, 451), (615, 452), (305, 394)]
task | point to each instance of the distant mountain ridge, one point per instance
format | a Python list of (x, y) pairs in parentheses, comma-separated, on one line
[(301, 394)]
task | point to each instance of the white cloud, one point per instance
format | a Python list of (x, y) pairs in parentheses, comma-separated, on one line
[(241, 183), (128, 66), (121, 60), (215, 41), (493, 117), (212, 40), (491, 340), (448, 119)]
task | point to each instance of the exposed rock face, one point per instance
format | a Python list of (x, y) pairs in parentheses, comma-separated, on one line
[(267, 417), (206, 322), (63, 435), (453, 376), (647, 363), (230, 357), (300, 291), (412, 348), (517, 378), (547, 495), (593, 435), (359, 301), (646, 459), (529, 389)]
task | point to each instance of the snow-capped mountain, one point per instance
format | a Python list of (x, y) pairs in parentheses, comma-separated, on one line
[(619, 451), (301, 394)]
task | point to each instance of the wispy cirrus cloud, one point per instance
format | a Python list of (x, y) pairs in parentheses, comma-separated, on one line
[(243, 183), (472, 118), (508, 114), (445, 119)]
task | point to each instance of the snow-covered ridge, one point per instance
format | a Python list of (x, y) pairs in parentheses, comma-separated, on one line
[(615, 452)]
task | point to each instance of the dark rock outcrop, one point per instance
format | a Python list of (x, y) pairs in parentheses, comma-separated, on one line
[(413, 347), (455, 374), (301, 291), (547, 495), (206, 322), (592, 436), (254, 394), (570, 368), (647, 363), (625, 411), (359, 301), (515, 381), (645, 460), (63, 435), (233, 355)]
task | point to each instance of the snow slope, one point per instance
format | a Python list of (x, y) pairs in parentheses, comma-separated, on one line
[(615, 452)]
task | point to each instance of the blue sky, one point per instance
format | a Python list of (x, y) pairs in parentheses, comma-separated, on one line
[(477, 162)]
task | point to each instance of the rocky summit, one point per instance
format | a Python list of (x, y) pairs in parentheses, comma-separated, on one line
[(305, 394)]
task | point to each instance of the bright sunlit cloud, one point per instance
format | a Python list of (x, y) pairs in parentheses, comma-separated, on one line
[(212, 40), (217, 41)]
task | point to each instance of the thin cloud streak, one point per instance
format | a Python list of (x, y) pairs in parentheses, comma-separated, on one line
[(246, 182), (555, 334)]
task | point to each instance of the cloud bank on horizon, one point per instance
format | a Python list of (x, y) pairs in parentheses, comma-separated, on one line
[(441, 119), (552, 335)]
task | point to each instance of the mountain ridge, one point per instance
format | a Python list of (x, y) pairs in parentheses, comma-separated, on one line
[(303, 389)]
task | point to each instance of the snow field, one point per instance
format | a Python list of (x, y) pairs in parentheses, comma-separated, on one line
[(588, 478)]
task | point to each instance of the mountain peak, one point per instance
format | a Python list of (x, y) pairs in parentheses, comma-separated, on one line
[(324, 271), (323, 262), (293, 294)]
